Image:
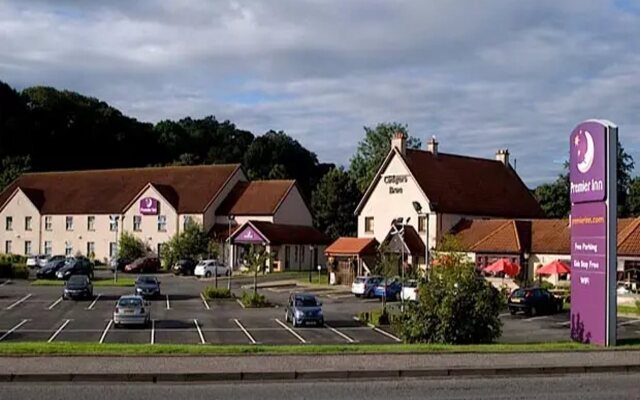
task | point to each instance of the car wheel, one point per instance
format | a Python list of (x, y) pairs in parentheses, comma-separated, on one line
[(533, 311), (286, 316), (294, 323), (559, 308), (207, 274), (358, 295), (64, 297), (512, 312), (227, 273)]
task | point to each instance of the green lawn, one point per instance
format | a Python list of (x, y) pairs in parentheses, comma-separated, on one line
[(98, 282), (62, 348), (628, 309)]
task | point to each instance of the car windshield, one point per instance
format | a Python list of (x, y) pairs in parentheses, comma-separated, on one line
[(519, 293), (411, 284), (77, 279), (146, 279), (306, 302), (359, 280), (130, 302)]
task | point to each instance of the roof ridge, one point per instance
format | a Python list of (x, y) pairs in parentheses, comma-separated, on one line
[(84, 171), (457, 155), (517, 234), (493, 233)]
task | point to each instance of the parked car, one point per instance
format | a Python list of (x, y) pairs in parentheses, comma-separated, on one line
[(143, 264), (393, 289), (209, 268), (147, 286), (77, 286), (76, 266), (303, 308), (364, 285), (534, 301), (410, 290), (131, 310), (51, 267), (119, 263), (38, 261), (185, 266)]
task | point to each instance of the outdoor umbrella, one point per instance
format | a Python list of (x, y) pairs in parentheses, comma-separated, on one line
[(505, 266), (554, 268)]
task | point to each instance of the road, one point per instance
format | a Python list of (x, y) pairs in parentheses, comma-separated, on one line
[(583, 387)]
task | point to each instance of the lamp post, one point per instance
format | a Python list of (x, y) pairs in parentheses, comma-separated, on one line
[(418, 209), (231, 218), (311, 263), (114, 221), (400, 232)]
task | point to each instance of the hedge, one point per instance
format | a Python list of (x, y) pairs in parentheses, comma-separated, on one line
[(13, 271)]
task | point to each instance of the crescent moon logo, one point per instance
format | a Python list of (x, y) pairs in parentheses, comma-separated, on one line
[(589, 152), (149, 203)]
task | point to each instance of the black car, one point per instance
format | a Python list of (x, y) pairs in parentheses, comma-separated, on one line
[(184, 266), (534, 301), (147, 286), (119, 263), (76, 266), (51, 267), (78, 286)]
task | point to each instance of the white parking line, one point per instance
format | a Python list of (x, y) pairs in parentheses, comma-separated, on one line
[(5, 282), (104, 334), (251, 339), (633, 321), (380, 331), (337, 332), (565, 323), (10, 331), (291, 331), (153, 331), (536, 318), (168, 305), (93, 303), (504, 314), (56, 333), (18, 302), (239, 302), (54, 303), (195, 321), (206, 305)]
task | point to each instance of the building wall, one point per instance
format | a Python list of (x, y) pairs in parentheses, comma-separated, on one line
[(293, 210), (79, 235), (210, 213), (19, 207)]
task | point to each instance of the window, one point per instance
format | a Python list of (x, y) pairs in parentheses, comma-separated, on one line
[(112, 249), (162, 223), (27, 247), (160, 245), (69, 223), (8, 225), (91, 223), (91, 249), (368, 224), (7, 247), (295, 254), (113, 223), (47, 248), (27, 223), (187, 221), (422, 223), (137, 223), (47, 223), (68, 249)]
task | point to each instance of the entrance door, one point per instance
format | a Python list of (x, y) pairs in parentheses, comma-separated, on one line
[(287, 257)]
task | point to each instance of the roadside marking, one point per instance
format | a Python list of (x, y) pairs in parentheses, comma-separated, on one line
[(565, 323), (54, 303), (239, 302), (339, 296), (291, 331), (168, 305), (195, 321), (251, 339), (56, 333), (206, 305), (104, 334), (93, 303), (5, 282), (633, 321), (10, 331), (536, 318), (504, 314), (18, 302), (337, 332), (153, 331), (380, 331)]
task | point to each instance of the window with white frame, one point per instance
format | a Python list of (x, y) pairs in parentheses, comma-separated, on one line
[(162, 223), (48, 250), (7, 247), (113, 249), (68, 249), (91, 249), (27, 247), (27, 223), (368, 224), (137, 223), (47, 224), (188, 219), (113, 223), (68, 223), (91, 223), (422, 223), (160, 245), (8, 224)]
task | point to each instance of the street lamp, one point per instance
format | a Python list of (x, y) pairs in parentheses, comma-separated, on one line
[(311, 263), (400, 232), (418, 208), (231, 218), (114, 221)]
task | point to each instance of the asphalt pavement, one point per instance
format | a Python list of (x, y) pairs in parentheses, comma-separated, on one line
[(582, 387)]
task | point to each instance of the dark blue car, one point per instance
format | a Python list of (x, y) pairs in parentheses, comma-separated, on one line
[(394, 288)]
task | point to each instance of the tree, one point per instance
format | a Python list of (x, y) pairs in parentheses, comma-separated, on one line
[(633, 199), (130, 247), (192, 242), (387, 266), (11, 167), (256, 261), (554, 197), (333, 203), (454, 306), (625, 165), (373, 149)]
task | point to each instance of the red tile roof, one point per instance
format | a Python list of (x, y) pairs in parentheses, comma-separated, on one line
[(278, 234), (352, 246), (189, 189), (256, 197)]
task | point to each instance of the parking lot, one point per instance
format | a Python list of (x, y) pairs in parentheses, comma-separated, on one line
[(182, 316)]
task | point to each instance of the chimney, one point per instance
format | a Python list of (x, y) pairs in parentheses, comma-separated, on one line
[(399, 141), (432, 146), (502, 155)]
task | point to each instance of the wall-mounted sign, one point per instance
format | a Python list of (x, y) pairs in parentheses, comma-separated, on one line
[(592, 168), (395, 180), (249, 235), (149, 206)]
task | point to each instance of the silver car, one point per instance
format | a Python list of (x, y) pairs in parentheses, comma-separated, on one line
[(131, 310)]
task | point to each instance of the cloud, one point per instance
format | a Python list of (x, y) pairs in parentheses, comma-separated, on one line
[(479, 75)]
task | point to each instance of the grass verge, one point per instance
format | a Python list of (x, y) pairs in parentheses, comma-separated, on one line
[(625, 309), (93, 349), (98, 282)]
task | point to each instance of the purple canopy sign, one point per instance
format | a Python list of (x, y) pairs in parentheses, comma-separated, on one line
[(592, 168), (149, 206), (249, 235)]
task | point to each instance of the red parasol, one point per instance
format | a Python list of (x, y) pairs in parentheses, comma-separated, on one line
[(504, 265), (554, 268)]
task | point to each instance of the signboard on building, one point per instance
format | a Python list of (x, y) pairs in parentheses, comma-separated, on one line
[(249, 235), (592, 170), (149, 206)]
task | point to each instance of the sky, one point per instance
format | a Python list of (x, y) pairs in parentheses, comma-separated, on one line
[(479, 75)]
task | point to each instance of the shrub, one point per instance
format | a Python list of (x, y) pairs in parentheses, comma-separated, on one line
[(211, 292), (547, 285), (19, 271), (376, 317), (130, 247), (254, 300), (5, 269), (12, 259)]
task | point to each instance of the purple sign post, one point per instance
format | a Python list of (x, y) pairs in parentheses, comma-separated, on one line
[(592, 170)]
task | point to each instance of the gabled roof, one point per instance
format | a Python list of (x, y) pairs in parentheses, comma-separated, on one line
[(346, 246), (277, 234), (190, 188), (256, 197), (412, 241)]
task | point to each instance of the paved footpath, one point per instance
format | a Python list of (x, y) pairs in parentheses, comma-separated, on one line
[(286, 363)]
